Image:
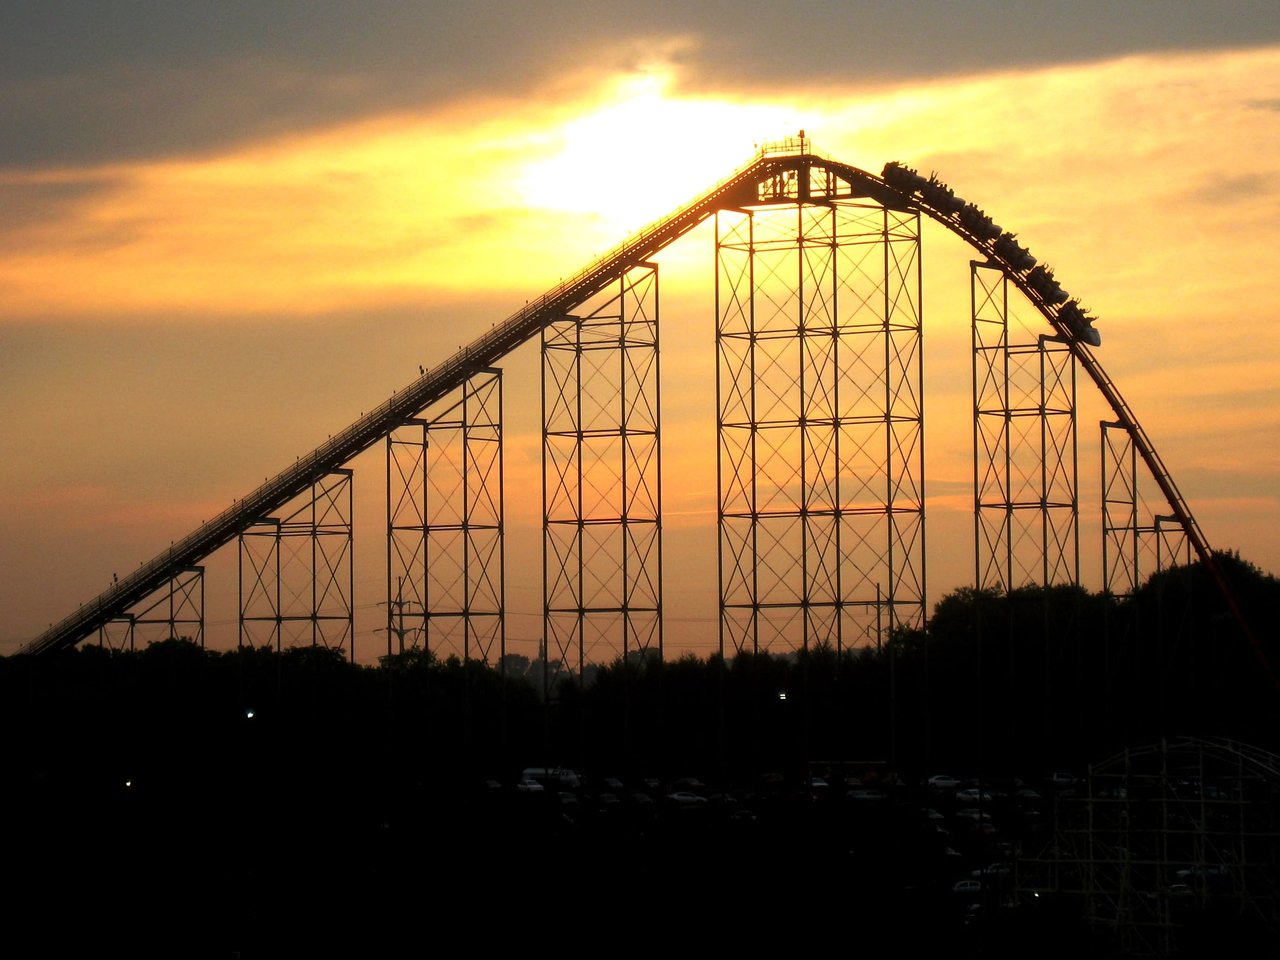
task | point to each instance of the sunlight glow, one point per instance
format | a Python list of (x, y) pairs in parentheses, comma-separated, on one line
[(645, 150), (404, 206)]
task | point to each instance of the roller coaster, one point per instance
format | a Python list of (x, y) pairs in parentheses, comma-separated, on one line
[(840, 245)]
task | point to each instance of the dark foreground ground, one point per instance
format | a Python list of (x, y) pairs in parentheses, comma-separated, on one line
[(318, 869)]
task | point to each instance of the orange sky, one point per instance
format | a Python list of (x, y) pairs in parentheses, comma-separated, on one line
[(175, 327)]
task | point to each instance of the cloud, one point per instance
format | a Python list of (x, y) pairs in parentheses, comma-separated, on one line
[(1236, 188), (81, 80), (32, 201)]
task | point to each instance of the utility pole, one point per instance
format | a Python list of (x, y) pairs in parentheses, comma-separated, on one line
[(398, 604)]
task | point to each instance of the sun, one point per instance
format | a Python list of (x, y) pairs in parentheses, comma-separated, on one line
[(642, 149)]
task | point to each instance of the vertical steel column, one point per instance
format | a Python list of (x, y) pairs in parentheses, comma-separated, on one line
[(905, 581), (820, 422), (1026, 511), (259, 604), (1132, 550), (406, 536), (601, 467), (463, 601), (328, 528), (1121, 540), (1059, 477), (301, 578)]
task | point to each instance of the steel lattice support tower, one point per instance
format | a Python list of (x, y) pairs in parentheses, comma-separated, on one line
[(464, 597), (296, 574), (1161, 833), (601, 498), (445, 553), (820, 420), (1026, 511), (176, 611), (1131, 549), (406, 452)]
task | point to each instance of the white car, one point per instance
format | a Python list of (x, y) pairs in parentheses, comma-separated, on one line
[(940, 781)]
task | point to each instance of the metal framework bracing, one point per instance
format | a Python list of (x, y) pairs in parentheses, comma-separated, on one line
[(296, 572), (820, 418), (601, 480), (1131, 548), (1159, 835), (406, 453), (434, 384), (174, 612), (824, 275), (1026, 511), (445, 536)]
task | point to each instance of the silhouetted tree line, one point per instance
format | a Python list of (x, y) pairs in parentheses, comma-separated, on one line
[(1031, 681), (295, 781), (1015, 684)]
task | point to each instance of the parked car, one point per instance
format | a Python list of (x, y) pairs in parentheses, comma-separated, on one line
[(641, 800), (992, 870), (867, 794), (940, 781), (684, 798)]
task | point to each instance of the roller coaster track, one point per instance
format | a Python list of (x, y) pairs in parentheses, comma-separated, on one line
[(900, 189), (1064, 315)]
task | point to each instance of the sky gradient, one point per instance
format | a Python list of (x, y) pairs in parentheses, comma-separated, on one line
[(227, 232)]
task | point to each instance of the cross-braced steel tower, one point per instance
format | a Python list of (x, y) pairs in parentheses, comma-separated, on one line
[(1160, 835), (176, 612), (1135, 542), (601, 466), (445, 538), (1026, 529), (820, 418), (296, 572)]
